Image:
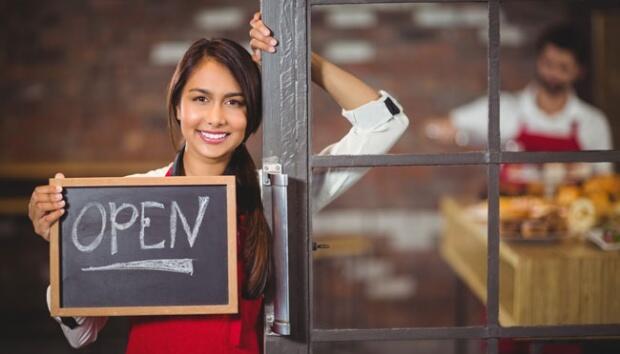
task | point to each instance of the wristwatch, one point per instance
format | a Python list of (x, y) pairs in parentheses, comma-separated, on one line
[(391, 106), (69, 322)]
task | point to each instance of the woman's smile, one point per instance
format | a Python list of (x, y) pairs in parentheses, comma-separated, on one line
[(211, 137)]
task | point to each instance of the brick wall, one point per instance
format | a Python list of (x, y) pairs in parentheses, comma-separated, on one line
[(86, 80)]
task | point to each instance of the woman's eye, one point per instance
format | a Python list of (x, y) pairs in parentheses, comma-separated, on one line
[(235, 103), (199, 99)]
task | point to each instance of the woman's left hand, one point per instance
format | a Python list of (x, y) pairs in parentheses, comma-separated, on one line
[(261, 38)]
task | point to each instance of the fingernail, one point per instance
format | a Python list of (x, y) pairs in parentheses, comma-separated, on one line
[(272, 50), (58, 189), (58, 197), (62, 211), (266, 32), (273, 42), (61, 203)]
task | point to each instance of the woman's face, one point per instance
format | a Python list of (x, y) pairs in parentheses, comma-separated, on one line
[(212, 113)]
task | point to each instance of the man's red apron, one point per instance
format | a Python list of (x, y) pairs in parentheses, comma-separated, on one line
[(529, 140)]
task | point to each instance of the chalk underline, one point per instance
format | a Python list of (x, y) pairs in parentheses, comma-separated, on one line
[(183, 265)]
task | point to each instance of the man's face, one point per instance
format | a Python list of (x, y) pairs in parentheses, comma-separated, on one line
[(556, 69)]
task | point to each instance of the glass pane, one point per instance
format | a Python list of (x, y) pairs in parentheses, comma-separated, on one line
[(402, 347), (564, 346), (558, 233), (396, 256), (559, 84), (430, 57)]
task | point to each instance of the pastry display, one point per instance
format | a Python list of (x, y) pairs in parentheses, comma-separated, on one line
[(574, 210), (531, 218)]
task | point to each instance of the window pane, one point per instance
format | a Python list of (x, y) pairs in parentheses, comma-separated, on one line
[(430, 57), (402, 347), (392, 259), (557, 234), (559, 84), (565, 345)]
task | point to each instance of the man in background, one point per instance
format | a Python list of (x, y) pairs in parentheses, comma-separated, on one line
[(546, 115)]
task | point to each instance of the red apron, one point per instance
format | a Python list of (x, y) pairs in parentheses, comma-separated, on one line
[(532, 141), (528, 140), (202, 334)]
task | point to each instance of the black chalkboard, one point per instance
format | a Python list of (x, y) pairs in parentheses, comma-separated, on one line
[(145, 246)]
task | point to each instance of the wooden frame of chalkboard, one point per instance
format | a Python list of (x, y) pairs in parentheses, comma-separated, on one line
[(163, 294)]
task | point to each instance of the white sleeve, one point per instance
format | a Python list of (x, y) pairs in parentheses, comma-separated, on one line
[(85, 333), (596, 135), (472, 119), (375, 130)]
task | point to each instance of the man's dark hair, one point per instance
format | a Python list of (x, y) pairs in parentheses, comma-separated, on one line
[(567, 37)]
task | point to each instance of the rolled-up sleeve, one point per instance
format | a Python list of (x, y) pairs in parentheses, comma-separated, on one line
[(85, 332), (375, 129)]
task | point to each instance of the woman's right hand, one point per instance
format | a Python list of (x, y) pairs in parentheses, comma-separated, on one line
[(45, 208), (261, 38)]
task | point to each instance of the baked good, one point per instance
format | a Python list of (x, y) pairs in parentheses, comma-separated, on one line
[(581, 216), (602, 203), (537, 228), (567, 194)]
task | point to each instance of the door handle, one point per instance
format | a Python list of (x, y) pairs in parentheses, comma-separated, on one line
[(279, 185)]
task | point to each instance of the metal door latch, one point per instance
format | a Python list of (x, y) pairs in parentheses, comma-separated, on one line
[(316, 246)]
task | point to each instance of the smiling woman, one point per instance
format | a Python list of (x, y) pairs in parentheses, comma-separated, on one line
[(212, 117), (214, 105)]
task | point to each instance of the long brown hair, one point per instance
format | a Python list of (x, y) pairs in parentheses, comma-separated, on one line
[(257, 247)]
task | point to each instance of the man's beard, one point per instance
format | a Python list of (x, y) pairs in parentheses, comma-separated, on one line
[(553, 89)]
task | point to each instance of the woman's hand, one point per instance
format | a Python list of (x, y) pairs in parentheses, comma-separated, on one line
[(261, 38), (349, 91), (45, 208)]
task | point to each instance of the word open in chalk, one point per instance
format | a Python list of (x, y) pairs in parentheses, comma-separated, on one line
[(108, 219)]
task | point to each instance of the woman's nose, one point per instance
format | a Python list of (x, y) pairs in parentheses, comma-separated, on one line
[(215, 116)]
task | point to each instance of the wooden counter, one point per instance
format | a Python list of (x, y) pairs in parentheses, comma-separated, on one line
[(550, 283)]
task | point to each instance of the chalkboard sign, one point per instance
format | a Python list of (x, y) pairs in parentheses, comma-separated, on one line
[(145, 246)]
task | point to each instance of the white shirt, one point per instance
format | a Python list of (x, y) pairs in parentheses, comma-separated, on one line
[(521, 109), (374, 131)]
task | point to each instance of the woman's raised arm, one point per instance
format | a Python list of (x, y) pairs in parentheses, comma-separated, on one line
[(345, 88)]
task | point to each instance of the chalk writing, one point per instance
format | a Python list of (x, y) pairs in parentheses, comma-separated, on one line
[(191, 237), (97, 240), (176, 214), (115, 226), (146, 222), (183, 265)]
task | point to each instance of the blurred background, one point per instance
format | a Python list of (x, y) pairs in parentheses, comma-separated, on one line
[(83, 86)]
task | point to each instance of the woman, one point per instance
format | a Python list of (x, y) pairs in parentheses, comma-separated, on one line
[(214, 101)]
